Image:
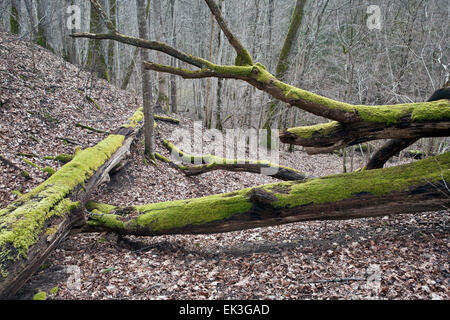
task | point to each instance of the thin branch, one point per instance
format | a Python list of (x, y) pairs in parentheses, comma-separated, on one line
[(109, 24), (147, 44), (243, 55)]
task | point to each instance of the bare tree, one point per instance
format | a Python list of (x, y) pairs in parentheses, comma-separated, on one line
[(147, 96)]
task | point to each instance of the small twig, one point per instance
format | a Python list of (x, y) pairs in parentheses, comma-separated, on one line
[(24, 173), (336, 280), (69, 140), (79, 125)]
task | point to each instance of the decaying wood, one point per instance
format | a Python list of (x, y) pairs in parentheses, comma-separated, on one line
[(196, 165), (33, 225), (415, 187), (392, 147), (337, 135)]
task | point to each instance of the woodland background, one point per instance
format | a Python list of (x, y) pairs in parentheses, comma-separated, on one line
[(335, 55)]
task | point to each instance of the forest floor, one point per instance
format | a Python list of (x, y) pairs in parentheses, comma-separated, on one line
[(43, 98)]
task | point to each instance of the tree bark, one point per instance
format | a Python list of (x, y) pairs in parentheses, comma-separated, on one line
[(33, 225), (147, 96), (208, 163), (417, 187)]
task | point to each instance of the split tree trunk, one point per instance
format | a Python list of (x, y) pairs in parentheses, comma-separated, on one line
[(33, 225)]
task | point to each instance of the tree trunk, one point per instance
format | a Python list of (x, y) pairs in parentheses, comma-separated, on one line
[(173, 80), (33, 225), (146, 82), (283, 63), (417, 187), (162, 99)]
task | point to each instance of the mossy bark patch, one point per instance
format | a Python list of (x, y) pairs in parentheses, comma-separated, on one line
[(23, 222), (375, 182)]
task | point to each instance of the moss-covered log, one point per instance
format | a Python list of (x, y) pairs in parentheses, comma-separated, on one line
[(411, 121), (79, 125), (393, 147), (196, 165), (33, 225), (166, 119), (416, 187)]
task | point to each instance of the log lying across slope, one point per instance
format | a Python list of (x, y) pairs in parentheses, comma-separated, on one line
[(416, 187), (33, 225)]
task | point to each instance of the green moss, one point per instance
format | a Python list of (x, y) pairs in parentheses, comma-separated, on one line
[(90, 99), (307, 132), (383, 181), (40, 296), (31, 164), (196, 211), (187, 158), (135, 119), (54, 290), (28, 155), (162, 158), (244, 71), (13, 20), (419, 112), (64, 158), (163, 118), (91, 206), (167, 215), (25, 174), (45, 266), (259, 65), (17, 193), (110, 221), (23, 221), (438, 110), (50, 171), (243, 59), (50, 231)]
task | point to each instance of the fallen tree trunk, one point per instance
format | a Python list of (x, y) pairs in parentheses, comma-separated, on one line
[(327, 137), (393, 147), (208, 163), (417, 187), (32, 226), (387, 151), (166, 119)]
